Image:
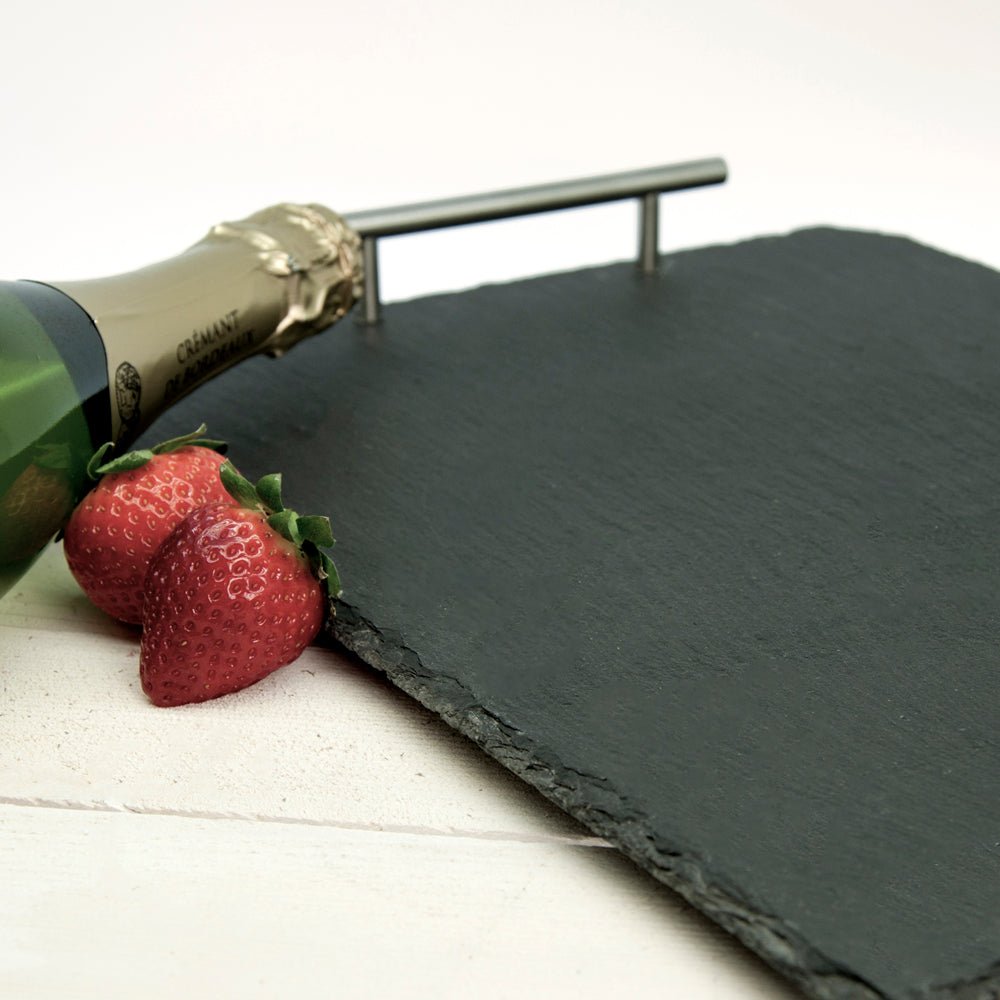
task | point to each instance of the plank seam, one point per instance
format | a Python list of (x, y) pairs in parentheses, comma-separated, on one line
[(393, 828)]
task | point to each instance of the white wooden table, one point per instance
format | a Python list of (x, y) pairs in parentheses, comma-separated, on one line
[(319, 834)]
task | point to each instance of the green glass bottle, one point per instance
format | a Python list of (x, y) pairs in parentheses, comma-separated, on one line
[(82, 363)]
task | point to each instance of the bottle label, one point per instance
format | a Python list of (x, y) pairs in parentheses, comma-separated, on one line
[(259, 285)]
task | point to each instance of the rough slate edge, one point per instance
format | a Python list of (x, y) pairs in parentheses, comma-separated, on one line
[(592, 801), (583, 796)]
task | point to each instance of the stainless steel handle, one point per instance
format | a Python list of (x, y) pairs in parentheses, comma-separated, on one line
[(645, 185)]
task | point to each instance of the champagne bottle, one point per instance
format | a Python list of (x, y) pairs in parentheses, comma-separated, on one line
[(86, 362), (82, 363)]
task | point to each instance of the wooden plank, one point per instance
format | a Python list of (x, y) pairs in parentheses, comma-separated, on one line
[(100, 905), (322, 740)]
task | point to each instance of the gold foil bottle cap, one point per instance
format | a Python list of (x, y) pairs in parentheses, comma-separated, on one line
[(317, 254), (258, 285)]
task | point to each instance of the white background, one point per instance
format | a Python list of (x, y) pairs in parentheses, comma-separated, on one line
[(127, 130)]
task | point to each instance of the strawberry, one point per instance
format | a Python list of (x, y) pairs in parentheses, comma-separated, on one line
[(238, 589), (139, 499)]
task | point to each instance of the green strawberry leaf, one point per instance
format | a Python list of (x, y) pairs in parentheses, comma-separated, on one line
[(95, 460), (317, 530), (327, 573), (125, 463), (240, 489), (96, 467), (286, 524), (194, 439), (269, 491)]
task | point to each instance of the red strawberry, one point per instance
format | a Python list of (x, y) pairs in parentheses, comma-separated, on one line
[(234, 593), (139, 499)]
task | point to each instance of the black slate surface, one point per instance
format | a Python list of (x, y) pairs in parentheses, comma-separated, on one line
[(710, 558)]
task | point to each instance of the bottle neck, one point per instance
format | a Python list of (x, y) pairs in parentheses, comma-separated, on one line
[(259, 285)]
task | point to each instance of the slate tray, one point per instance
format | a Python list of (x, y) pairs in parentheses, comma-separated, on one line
[(710, 559)]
